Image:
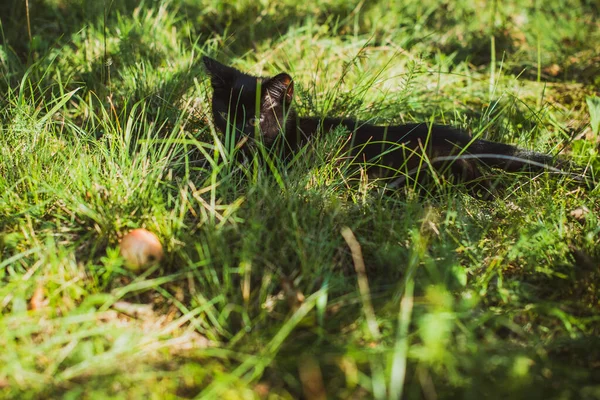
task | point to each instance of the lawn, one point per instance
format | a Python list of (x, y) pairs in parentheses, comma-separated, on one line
[(291, 280)]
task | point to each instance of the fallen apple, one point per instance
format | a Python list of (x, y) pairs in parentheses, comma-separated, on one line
[(140, 249)]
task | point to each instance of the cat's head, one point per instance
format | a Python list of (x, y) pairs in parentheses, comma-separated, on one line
[(248, 105)]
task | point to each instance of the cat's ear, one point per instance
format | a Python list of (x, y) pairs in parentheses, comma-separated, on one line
[(280, 88), (221, 76)]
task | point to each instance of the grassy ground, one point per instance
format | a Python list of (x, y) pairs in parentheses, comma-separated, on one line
[(105, 126)]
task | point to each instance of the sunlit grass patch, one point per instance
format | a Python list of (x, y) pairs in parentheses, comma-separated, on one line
[(105, 126)]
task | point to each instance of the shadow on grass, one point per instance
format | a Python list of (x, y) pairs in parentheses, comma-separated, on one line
[(54, 23), (130, 67)]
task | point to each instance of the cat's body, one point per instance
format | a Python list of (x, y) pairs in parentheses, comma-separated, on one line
[(385, 151)]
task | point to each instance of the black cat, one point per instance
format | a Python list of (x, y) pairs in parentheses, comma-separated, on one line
[(251, 107)]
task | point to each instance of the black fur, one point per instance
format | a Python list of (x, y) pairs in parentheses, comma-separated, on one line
[(385, 151)]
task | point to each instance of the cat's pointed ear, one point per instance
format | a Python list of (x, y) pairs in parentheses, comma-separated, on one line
[(221, 76), (281, 88)]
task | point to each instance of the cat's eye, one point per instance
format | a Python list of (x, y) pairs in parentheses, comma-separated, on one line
[(253, 121)]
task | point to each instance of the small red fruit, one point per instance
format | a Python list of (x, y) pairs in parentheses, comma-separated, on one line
[(140, 249)]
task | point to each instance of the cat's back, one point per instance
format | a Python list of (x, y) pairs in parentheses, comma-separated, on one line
[(411, 134)]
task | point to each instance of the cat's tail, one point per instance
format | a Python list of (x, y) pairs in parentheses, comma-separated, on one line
[(511, 158), (514, 159)]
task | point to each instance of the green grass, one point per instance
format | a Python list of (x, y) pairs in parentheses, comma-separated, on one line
[(105, 126)]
